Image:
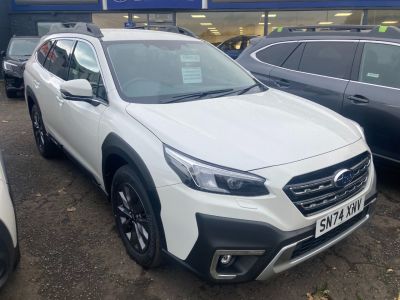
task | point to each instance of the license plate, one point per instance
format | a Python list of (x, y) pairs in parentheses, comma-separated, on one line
[(338, 217)]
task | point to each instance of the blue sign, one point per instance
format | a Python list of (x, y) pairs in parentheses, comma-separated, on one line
[(56, 5), (154, 4), (300, 4)]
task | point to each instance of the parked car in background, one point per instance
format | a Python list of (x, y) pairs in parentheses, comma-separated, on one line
[(235, 46), (353, 70), (9, 250), (201, 161), (18, 52)]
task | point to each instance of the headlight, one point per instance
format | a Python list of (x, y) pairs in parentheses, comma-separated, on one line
[(8, 66), (210, 178)]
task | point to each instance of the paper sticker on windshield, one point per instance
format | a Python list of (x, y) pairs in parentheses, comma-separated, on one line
[(373, 75), (190, 58), (192, 75)]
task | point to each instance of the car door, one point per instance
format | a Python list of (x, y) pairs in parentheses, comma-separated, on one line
[(322, 73), (48, 89), (372, 98), (81, 119)]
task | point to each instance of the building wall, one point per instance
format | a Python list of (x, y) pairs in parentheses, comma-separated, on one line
[(4, 26), (26, 23)]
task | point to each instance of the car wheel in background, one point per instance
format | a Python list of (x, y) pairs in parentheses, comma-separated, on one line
[(135, 218)]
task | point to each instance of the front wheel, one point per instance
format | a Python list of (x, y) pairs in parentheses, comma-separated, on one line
[(44, 144), (135, 218)]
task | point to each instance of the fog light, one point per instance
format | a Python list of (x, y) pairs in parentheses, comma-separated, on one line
[(226, 259)]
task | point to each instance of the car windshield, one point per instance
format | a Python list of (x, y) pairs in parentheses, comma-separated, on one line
[(163, 71), (22, 47)]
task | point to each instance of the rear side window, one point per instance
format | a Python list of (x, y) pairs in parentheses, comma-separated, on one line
[(43, 51), (293, 61), (332, 59), (57, 61), (380, 64), (276, 54)]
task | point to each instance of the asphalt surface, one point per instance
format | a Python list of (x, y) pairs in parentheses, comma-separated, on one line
[(71, 250)]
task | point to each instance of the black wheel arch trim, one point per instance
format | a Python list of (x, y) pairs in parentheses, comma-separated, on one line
[(115, 145), (30, 94)]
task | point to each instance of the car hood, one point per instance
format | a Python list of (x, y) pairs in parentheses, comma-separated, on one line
[(248, 132)]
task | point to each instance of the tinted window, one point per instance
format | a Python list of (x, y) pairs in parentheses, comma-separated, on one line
[(293, 61), (84, 66), (22, 47), (332, 59), (380, 64), (57, 61), (43, 50), (234, 44), (276, 54)]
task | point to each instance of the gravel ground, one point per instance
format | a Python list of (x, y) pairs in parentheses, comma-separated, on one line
[(71, 250)]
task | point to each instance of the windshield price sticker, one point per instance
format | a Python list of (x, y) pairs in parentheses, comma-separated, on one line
[(191, 69)]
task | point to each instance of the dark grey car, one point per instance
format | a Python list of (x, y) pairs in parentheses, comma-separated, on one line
[(354, 71)]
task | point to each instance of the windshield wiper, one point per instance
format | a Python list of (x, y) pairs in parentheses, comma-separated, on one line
[(197, 95), (243, 91)]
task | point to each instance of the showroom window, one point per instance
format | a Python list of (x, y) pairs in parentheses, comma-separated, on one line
[(311, 18), (117, 20), (380, 65), (332, 59), (384, 17), (217, 27), (44, 27)]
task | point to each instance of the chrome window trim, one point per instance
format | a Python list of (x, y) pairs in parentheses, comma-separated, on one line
[(75, 39), (253, 55)]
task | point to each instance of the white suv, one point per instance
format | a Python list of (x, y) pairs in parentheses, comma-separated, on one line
[(200, 161), (9, 250)]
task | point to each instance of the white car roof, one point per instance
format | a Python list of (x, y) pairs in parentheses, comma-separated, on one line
[(141, 34)]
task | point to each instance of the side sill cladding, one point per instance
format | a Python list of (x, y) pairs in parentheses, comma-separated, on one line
[(115, 146)]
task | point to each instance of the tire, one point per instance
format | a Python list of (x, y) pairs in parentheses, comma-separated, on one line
[(135, 218), (44, 144)]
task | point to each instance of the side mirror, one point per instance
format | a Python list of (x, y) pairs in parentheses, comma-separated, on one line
[(77, 90)]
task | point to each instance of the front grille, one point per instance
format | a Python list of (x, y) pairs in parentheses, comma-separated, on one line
[(313, 243), (317, 191)]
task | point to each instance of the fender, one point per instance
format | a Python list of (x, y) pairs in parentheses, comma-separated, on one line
[(115, 145)]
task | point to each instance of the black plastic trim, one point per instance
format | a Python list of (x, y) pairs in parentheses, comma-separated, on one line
[(115, 145), (216, 233), (8, 254)]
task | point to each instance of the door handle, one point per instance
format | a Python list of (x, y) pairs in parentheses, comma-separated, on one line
[(358, 99), (282, 83)]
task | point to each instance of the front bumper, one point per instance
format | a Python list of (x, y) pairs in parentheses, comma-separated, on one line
[(267, 250), (13, 83)]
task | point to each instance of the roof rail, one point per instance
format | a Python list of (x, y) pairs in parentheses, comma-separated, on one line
[(78, 27), (370, 30)]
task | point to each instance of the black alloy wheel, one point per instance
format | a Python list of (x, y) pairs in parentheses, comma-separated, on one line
[(135, 218)]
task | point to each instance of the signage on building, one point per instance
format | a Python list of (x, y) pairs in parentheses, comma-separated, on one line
[(56, 2), (299, 4), (154, 4)]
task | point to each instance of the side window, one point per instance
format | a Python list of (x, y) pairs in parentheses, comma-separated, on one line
[(276, 54), (380, 64), (332, 59), (57, 61), (84, 66), (43, 51), (293, 61)]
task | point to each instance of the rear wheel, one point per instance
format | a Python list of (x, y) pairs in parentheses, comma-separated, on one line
[(45, 146), (135, 218)]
